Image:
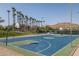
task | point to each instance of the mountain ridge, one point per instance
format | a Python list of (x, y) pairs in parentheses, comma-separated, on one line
[(65, 26)]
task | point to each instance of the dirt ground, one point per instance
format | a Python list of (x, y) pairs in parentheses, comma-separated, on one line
[(76, 52), (4, 51)]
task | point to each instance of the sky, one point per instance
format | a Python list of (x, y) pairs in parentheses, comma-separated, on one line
[(52, 13)]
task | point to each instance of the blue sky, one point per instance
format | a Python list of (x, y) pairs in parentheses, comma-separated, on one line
[(53, 13)]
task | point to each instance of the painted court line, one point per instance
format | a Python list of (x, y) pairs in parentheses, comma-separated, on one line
[(49, 45), (29, 51)]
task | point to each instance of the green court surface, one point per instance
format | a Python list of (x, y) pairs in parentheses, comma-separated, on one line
[(22, 42)]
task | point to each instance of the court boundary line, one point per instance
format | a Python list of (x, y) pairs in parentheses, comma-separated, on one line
[(46, 47), (29, 51)]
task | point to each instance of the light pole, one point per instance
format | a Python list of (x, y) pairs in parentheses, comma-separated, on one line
[(7, 28), (71, 24), (78, 27)]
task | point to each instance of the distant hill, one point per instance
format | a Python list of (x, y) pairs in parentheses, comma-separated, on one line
[(65, 26)]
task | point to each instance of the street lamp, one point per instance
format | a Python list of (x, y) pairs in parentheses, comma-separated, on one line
[(7, 28), (71, 24)]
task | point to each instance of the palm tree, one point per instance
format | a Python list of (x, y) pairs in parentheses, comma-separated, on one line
[(42, 22), (30, 21), (26, 22), (14, 14), (26, 18), (39, 23), (22, 21), (33, 22), (1, 21), (19, 19)]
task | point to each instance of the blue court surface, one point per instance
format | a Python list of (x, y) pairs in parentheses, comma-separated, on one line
[(46, 44)]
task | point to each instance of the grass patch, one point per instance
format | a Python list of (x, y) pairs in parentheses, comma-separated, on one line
[(13, 33), (66, 51)]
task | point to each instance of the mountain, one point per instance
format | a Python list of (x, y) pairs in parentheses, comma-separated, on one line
[(65, 26)]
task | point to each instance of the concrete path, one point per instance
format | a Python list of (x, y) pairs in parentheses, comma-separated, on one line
[(4, 51), (76, 53)]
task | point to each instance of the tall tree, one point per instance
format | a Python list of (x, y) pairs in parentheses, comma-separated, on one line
[(30, 21), (14, 14), (27, 22)]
